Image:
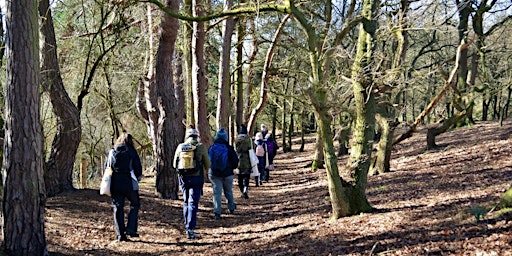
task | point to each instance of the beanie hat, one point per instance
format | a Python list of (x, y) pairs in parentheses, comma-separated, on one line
[(191, 132), (221, 134), (243, 129)]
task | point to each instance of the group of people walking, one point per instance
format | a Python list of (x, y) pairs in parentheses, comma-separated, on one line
[(191, 160)]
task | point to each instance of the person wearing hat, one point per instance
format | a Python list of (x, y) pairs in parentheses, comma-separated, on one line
[(243, 144), (223, 160), (263, 130), (191, 185), (260, 148)]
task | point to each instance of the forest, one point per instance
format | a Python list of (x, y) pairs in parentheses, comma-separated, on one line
[(348, 81)]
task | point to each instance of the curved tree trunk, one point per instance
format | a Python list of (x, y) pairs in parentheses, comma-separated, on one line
[(59, 166), (23, 197), (265, 76)]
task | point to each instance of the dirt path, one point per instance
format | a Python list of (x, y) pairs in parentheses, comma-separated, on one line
[(424, 208)]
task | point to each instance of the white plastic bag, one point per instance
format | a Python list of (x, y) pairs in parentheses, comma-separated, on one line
[(105, 182), (254, 171), (107, 177), (253, 157)]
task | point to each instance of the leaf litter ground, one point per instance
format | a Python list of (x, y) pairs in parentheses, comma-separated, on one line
[(425, 206)]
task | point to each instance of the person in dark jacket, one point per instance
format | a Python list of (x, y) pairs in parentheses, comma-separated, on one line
[(271, 147), (222, 179), (127, 171), (191, 185), (243, 144)]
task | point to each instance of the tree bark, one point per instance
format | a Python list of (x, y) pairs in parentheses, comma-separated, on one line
[(224, 90), (381, 161), (265, 76), (199, 82), (239, 90), (167, 136), (364, 98), (23, 197), (187, 64), (58, 169)]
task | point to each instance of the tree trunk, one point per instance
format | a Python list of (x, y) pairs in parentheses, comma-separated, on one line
[(286, 148), (167, 137), (343, 137), (435, 130), (239, 111), (302, 130), (317, 94), (265, 76), (224, 90), (361, 150), (23, 197), (465, 11), (58, 170), (186, 47), (319, 157), (381, 162), (199, 83)]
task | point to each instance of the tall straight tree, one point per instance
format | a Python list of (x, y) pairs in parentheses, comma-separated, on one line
[(199, 82), (224, 97), (167, 132), (160, 103), (23, 198), (58, 170)]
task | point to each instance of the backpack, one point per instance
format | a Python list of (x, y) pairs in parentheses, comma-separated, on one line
[(218, 154), (260, 150), (122, 160), (271, 148), (187, 162)]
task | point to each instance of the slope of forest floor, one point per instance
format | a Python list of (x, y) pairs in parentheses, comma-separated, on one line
[(425, 206)]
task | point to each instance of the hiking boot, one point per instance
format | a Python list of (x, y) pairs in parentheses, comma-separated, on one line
[(192, 235), (232, 211), (217, 216), (123, 238), (132, 234), (245, 195)]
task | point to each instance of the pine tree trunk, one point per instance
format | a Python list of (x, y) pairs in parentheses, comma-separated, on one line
[(167, 138), (199, 82), (23, 197), (224, 91)]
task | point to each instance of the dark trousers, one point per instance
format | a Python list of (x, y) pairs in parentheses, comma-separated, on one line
[(191, 187), (118, 199), (243, 182)]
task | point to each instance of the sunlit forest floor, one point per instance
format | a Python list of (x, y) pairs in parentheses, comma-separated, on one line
[(427, 205)]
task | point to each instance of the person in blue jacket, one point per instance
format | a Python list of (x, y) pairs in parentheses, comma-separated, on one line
[(222, 178)]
